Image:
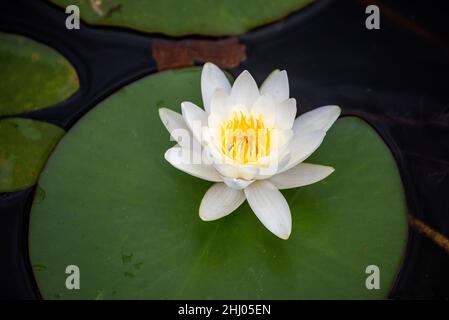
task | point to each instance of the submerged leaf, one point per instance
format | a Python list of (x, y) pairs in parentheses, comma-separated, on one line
[(24, 148), (32, 75), (179, 18)]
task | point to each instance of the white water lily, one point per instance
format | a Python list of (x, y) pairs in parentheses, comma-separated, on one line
[(249, 143)]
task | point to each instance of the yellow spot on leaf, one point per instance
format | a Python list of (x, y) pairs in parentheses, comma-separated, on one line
[(35, 57)]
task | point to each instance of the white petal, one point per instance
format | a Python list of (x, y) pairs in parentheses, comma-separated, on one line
[(301, 175), (219, 201), (285, 114), (274, 165), (302, 146), (216, 155), (233, 170), (237, 184), (176, 126), (171, 119), (220, 105), (244, 90), (247, 172), (270, 207), (212, 78), (195, 118), (265, 106), (225, 170), (176, 158), (276, 85), (318, 119)]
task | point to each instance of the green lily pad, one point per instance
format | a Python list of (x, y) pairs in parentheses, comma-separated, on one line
[(24, 147), (32, 75), (179, 18), (129, 220)]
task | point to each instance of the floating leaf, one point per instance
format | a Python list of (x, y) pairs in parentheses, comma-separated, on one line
[(24, 147), (32, 75), (178, 18), (112, 202)]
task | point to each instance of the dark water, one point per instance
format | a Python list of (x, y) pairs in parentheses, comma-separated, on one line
[(396, 78)]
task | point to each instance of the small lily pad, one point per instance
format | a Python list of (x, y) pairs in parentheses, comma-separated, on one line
[(24, 147), (179, 18), (113, 201), (32, 75)]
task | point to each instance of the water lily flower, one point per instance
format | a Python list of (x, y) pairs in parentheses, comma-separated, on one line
[(249, 144)]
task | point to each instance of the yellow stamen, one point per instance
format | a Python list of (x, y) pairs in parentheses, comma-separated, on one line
[(244, 138)]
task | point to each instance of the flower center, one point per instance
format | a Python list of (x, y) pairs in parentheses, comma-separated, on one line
[(245, 138)]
